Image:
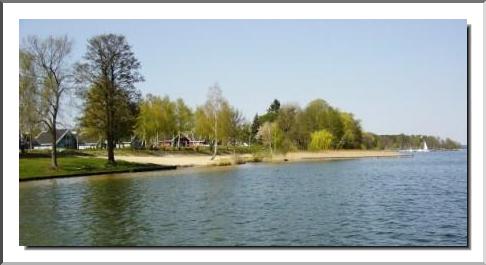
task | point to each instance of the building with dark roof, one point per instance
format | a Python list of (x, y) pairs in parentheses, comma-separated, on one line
[(64, 139)]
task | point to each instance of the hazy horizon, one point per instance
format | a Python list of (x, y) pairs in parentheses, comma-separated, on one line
[(396, 76)]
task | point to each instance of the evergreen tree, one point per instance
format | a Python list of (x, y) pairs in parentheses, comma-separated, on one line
[(255, 126)]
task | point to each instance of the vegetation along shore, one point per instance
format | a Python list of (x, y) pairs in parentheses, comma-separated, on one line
[(114, 117)]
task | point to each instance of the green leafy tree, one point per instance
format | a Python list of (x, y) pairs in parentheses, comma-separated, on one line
[(336, 127), (184, 118), (321, 140), (29, 117), (168, 116), (93, 121), (234, 127), (146, 125), (288, 126), (352, 135), (369, 141), (272, 112), (255, 125), (111, 67), (211, 119), (316, 115), (203, 123), (157, 119), (245, 134), (286, 117)]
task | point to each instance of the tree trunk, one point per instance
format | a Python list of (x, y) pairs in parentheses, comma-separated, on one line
[(54, 147), (179, 141), (111, 152), (21, 144), (109, 138), (110, 111), (215, 138), (215, 149), (30, 141), (110, 143), (110, 146)]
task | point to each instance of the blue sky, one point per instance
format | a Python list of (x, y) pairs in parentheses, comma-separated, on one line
[(396, 76)]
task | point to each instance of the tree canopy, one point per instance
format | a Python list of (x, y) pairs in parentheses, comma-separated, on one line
[(107, 76)]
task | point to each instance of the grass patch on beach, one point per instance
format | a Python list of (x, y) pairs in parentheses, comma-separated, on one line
[(41, 166)]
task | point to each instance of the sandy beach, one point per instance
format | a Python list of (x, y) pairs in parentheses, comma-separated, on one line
[(189, 160)]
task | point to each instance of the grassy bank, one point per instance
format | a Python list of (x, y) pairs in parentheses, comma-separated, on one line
[(40, 167)]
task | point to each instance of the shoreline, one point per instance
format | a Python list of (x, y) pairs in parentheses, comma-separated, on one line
[(199, 160), (184, 161)]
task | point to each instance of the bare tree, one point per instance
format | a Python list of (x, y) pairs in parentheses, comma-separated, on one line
[(214, 103), (52, 73)]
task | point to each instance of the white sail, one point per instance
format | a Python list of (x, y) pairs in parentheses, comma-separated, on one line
[(425, 148)]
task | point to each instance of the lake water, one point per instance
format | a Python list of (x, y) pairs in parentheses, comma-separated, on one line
[(416, 201)]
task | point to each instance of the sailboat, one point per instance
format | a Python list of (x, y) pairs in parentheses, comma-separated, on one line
[(424, 149)]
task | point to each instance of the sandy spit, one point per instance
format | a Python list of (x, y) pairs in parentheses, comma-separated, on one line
[(188, 160)]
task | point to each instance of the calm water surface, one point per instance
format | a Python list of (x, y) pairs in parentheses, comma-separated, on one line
[(419, 201)]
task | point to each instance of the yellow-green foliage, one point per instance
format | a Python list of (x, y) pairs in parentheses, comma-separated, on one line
[(321, 140), (156, 119)]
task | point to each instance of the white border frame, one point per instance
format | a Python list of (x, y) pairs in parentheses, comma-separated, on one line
[(473, 12)]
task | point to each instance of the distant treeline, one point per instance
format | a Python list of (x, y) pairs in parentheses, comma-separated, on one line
[(319, 126), (402, 141)]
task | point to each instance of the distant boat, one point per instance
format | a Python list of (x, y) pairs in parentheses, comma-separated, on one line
[(424, 149), (411, 150)]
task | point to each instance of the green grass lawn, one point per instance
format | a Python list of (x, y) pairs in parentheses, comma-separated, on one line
[(41, 166)]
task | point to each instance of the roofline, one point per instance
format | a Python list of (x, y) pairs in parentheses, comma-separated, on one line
[(60, 137), (44, 131)]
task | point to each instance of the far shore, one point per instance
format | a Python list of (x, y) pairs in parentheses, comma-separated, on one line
[(194, 160)]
